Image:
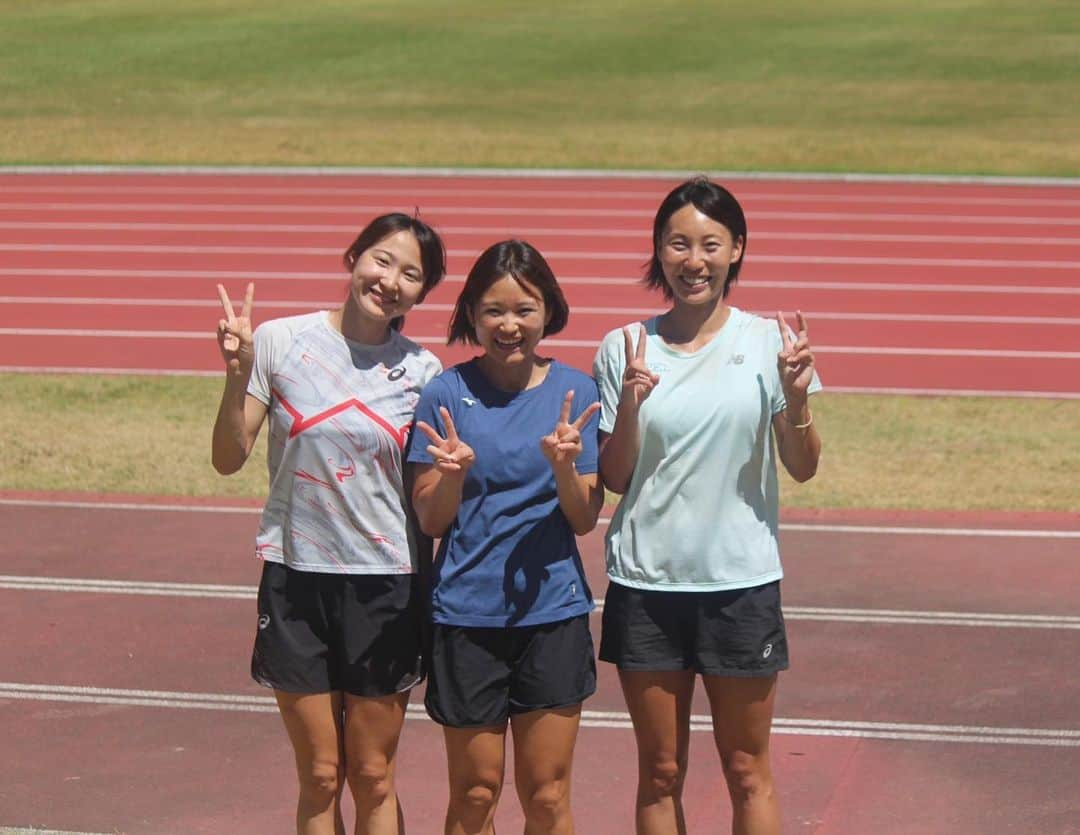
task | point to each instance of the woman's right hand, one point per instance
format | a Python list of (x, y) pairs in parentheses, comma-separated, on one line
[(638, 381), (452, 456), (234, 333)]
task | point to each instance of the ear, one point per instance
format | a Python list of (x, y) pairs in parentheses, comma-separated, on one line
[(737, 249)]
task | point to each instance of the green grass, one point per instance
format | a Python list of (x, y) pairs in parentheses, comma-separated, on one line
[(152, 435), (889, 86)]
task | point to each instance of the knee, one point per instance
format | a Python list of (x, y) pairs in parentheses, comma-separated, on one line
[(320, 782), (663, 776), (547, 803), (474, 802), (748, 776), (371, 782)]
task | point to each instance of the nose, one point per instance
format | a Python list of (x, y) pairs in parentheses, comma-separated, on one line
[(695, 257)]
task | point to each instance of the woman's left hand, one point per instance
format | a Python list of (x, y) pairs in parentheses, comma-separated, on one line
[(795, 361), (563, 445)]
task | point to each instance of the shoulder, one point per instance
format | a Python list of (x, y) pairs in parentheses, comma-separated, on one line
[(288, 326), (573, 378), (423, 362), (757, 328)]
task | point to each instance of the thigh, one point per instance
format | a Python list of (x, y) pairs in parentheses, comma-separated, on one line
[(475, 757), (742, 712), (647, 630), (740, 633), (659, 705), (294, 639), (314, 724), (553, 666), (372, 727), (544, 745)]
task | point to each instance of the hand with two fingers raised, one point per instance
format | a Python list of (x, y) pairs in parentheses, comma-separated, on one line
[(563, 445), (234, 333), (638, 380), (452, 456), (795, 362)]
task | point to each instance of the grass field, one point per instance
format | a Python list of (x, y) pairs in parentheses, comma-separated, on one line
[(930, 86), (893, 85), (152, 435)]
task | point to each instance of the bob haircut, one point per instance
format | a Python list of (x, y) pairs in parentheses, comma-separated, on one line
[(712, 200), (432, 252), (523, 263)]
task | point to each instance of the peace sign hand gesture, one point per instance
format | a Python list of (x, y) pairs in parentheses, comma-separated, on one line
[(795, 361), (234, 333), (563, 445), (452, 455), (638, 380)]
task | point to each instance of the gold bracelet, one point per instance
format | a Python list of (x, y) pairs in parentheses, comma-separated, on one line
[(800, 425)]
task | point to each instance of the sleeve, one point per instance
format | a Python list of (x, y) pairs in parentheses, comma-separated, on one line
[(435, 394), (608, 371), (778, 401), (585, 394), (265, 338)]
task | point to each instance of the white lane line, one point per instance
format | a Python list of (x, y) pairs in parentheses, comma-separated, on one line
[(837, 615), (584, 310), (607, 257), (536, 231), (396, 189), (440, 213), (861, 350), (1053, 737), (812, 527), (339, 278)]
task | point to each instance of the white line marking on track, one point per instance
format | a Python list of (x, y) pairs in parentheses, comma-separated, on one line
[(912, 732), (607, 257), (814, 527), (569, 343), (837, 615), (98, 301), (339, 278), (536, 231)]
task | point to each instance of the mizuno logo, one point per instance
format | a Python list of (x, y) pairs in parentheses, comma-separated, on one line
[(468, 401)]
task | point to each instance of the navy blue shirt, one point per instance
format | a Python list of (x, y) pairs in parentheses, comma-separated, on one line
[(510, 557)]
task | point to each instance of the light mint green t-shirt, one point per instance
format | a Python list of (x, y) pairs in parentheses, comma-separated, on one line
[(701, 512)]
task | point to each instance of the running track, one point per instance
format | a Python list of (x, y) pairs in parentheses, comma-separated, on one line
[(907, 286), (932, 689)]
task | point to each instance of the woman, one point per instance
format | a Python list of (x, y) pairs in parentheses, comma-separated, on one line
[(340, 623), (508, 479), (694, 401)]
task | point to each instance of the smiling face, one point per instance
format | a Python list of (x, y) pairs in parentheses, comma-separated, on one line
[(695, 254), (509, 320), (388, 278)]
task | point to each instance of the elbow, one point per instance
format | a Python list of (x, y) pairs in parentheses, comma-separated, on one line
[(806, 473), (429, 526), (225, 467)]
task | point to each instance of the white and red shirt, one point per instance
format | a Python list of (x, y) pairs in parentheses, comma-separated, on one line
[(339, 414)]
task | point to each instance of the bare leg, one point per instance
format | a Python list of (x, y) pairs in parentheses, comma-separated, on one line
[(372, 729), (475, 761), (742, 710), (313, 722), (659, 705), (543, 753)]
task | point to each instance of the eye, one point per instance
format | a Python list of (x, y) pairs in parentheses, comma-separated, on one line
[(412, 275), (382, 260)]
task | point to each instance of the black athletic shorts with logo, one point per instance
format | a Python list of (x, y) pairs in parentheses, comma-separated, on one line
[(718, 633), (479, 676), (320, 632)]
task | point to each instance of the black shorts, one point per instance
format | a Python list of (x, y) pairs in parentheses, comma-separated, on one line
[(718, 633), (479, 676), (358, 633)]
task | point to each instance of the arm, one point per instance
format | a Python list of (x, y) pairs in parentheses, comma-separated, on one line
[(797, 439), (240, 415), (580, 496), (436, 492), (619, 450)]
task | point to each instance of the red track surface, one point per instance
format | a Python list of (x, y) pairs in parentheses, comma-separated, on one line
[(971, 728), (907, 286)]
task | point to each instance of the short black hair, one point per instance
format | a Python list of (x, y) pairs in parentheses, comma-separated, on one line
[(521, 261), (432, 251), (712, 200)]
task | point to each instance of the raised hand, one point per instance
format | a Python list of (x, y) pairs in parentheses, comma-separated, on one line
[(451, 454), (638, 380), (795, 361), (234, 333), (563, 445)]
